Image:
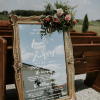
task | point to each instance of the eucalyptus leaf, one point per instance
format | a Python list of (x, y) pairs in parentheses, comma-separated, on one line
[(47, 16), (55, 16)]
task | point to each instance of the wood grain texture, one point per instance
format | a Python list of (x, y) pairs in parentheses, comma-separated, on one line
[(3, 46), (6, 31), (82, 34), (85, 39)]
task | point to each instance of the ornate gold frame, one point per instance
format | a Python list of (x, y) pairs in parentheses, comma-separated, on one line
[(15, 20)]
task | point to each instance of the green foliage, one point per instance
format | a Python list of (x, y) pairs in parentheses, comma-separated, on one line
[(4, 17), (60, 5), (4, 12), (79, 21), (91, 23), (26, 12), (58, 17), (48, 9), (94, 23), (85, 25)]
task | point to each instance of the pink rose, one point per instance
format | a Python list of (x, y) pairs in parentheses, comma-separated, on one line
[(56, 20), (68, 17)]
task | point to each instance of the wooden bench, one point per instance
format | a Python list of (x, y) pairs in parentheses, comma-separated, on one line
[(82, 34), (85, 39), (6, 32), (87, 58), (73, 30), (3, 48)]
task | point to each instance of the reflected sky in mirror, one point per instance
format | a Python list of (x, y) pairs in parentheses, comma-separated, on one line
[(46, 52)]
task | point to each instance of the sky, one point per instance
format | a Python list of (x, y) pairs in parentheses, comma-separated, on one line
[(47, 53), (90, 7)]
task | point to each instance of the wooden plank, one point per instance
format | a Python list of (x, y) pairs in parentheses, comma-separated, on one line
[(82, 34), (6, 34), (3, 44), (86, 48), (85, 39), (92, 45), (86, 71), (4, 23), (6, 31), (6, 28)]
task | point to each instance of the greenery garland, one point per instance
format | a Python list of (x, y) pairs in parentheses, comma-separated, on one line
[(59, 19)]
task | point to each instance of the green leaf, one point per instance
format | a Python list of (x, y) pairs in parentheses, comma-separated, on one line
[(55, 16)]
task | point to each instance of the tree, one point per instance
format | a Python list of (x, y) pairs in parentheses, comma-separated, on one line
[(85, 25), (4, 12)]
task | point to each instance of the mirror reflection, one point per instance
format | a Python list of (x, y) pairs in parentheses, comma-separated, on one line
[(43, 62)]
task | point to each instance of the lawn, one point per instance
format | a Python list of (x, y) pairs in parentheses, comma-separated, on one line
[(78, 28), (4, 17)]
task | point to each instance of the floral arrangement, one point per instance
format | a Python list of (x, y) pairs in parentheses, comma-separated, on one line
[(59, 19)]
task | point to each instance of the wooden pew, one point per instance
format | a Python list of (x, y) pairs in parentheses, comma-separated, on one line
[(87, 58), (82, 34), (73, 30), (93, 80), (85, 39), (3, 48), (87, 61), (6, 32)]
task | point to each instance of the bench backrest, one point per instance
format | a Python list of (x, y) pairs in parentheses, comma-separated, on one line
[(87, 58), (82, 34), (85, 39), (6, 32)]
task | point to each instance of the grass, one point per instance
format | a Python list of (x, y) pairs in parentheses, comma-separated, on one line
[(91, 23), (78, 28), (4, 17), (94, 23)]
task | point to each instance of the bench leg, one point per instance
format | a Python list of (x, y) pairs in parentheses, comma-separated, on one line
[(96, 84), (93, 80)]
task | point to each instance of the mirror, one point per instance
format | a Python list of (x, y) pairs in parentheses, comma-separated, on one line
[(43, 65), (43, 60)]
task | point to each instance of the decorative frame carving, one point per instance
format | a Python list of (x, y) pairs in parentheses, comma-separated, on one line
[(15, 20)]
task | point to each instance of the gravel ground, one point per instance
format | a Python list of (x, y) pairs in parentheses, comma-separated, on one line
[(83, 92)]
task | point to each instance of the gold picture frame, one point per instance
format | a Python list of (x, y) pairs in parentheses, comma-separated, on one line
[(15, 20)]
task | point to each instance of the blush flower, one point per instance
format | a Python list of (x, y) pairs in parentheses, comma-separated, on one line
[(74, 21), (68, 17), (56, 20), (47, 19), (59, 12)]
